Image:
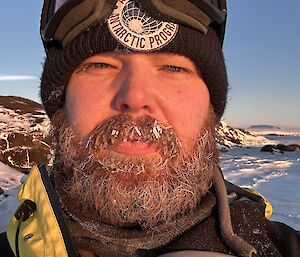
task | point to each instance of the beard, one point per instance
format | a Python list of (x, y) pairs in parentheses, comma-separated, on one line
[(130, 190)]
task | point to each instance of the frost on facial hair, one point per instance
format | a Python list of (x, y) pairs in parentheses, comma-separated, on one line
[(54, 95), (123, 128)]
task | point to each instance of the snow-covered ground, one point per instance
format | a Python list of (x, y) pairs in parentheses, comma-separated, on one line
[(230, 137), (275, 176), (24, 139), (10, 181)]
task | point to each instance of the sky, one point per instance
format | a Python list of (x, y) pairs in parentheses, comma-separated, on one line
[(261, 50)]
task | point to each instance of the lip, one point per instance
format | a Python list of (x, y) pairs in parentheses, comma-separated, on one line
[(135, 148)]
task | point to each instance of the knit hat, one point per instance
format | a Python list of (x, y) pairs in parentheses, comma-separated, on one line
[(204, 49)]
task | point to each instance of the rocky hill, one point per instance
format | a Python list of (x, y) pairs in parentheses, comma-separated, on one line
[(229, 137), (24, 139), (23, 133)]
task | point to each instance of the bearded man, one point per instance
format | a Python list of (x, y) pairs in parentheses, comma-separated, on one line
[(134, 90)]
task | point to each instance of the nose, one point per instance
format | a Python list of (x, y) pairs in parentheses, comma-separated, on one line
[(135, 93)]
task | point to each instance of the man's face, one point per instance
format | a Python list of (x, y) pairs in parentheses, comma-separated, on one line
[(135, 141), (167, 87)]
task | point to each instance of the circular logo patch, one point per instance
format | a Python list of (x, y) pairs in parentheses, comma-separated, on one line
[(135, 29)]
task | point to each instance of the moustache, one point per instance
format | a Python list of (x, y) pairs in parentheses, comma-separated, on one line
[(123, 127)]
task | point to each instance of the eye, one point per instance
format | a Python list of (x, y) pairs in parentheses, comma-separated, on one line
[(100, 65), (94, 67), (173, 68)]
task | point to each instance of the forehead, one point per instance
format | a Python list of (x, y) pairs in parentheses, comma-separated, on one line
[(167, 57)]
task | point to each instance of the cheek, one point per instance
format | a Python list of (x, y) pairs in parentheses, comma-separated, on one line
[(84, 107), (189, 112)]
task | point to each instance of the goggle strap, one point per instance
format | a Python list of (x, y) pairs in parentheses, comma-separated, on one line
[(173, 8), (212, 10), (45, 14), (68, 28)]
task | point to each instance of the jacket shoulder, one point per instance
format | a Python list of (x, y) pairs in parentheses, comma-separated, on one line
[(285, 238)]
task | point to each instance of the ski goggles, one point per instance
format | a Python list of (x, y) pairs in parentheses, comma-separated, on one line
[(63, 20)]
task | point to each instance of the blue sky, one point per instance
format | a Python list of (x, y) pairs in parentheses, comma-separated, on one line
[(261, 48)]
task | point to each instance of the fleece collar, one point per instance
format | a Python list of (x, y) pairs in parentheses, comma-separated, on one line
[(129, 240)]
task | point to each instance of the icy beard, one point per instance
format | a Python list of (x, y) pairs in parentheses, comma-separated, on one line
[(125, 190)]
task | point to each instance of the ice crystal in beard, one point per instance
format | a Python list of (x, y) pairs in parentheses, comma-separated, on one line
[(123, 128), (94, 152), (157, 195)]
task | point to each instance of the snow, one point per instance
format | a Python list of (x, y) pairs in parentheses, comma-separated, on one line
[(231, 137), (24, 128), (275, 176), (12, 122), (10, 181)]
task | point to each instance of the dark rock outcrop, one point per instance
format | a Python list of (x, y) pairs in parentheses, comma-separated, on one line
[(280, 148), (24, 140), (268, 148)]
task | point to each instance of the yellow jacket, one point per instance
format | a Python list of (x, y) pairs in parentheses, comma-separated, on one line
[(44, 233)]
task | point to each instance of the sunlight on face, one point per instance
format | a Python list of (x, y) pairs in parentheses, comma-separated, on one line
[(167, 87)]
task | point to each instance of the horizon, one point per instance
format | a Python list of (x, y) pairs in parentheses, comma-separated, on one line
[(261, 53)]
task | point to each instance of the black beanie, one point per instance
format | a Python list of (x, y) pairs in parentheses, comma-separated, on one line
[(204, 49)]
